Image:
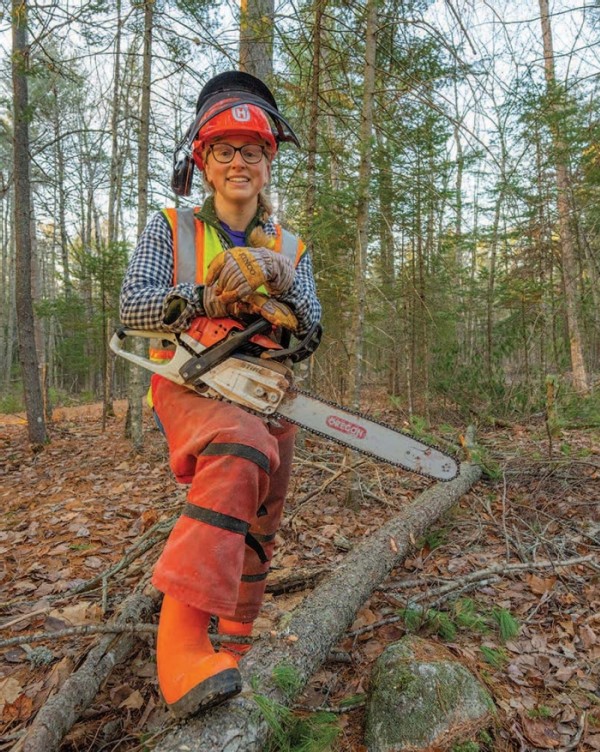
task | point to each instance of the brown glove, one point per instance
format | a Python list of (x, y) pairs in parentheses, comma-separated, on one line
[(271, 309), (238, 272), (214, 307)]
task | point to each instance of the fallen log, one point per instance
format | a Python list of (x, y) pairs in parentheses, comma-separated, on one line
[(60, 712), (315, 627)]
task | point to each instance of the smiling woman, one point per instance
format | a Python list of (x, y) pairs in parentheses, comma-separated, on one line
[(215, 265)]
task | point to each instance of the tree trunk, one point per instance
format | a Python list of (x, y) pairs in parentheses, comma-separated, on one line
[(316, 626), (256, 38), (569, 263), (313, 118), (136, 384), (34, 404), (356, 333)]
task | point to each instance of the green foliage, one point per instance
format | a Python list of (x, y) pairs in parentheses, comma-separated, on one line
[(432, 621), (292, 732), (287, 679), (507, 624), (496, 657), (12, 402), (541, 711), (433, 539), (467, 617), (469, 746), (464, 615)]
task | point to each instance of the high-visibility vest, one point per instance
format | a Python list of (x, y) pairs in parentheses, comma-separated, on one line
[(196, 244)]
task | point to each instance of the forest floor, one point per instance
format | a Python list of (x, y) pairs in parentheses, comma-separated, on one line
[(75, 509)]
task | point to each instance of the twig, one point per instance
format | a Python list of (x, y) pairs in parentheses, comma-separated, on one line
[(89, 629), (574, 745), (143, 544), (505, 568), (329, 709), (343, 469)]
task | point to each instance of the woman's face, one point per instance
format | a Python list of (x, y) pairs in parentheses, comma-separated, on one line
[(237, 182)]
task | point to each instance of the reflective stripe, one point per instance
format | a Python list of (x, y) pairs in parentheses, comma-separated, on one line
[(185, 256), (239, 450), (216, 519), (196, 244)]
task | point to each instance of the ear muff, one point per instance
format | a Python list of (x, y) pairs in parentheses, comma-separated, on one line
[(183, 171)]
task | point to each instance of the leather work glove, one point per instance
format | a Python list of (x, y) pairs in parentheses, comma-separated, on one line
[(238, 272), (274, 311), (214, 307)]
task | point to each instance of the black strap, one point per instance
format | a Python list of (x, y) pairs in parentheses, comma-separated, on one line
[(254, 577), (257, 548), (232, 524), (216, 519), (239, 450), (264, 537)]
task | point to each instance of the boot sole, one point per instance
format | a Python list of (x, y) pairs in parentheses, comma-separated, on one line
[(212, 691)]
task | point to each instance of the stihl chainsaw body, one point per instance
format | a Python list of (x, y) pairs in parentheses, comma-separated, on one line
[(230, 369)]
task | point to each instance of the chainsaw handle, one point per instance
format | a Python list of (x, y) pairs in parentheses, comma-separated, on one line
[(186, 366)]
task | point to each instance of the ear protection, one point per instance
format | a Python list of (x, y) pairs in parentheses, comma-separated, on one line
[(236, 88)]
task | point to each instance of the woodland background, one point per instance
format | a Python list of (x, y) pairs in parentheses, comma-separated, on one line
[(448, 184)]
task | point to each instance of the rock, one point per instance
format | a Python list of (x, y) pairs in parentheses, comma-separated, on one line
[(422, 698)]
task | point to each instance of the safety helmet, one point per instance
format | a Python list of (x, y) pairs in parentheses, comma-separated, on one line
[(221, 99), (238, 120)]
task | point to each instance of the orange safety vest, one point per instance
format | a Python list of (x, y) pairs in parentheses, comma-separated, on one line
[(195, 245)]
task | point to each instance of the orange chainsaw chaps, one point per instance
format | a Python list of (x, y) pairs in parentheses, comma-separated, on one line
[(233, 460), (210, 331)]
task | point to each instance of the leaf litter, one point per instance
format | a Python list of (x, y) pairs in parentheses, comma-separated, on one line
[(73, 511)]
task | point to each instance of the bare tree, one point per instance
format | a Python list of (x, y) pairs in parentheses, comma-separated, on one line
[(567, 239), (28, 356), (355, 338), (256, 37)]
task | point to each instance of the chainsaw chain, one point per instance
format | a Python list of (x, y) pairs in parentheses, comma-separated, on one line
[(340, 441), (366, 451)]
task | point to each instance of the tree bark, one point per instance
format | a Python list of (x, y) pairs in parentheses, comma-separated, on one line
[(355, 338), (567, 241), (137, 383), (256, 38), (34, 404), (316, 626), (58, 715)]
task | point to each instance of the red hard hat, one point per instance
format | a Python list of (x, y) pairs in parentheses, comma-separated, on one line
[(238, 120)]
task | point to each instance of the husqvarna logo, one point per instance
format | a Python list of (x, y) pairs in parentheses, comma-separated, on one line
[(345, 426), (241, 113)]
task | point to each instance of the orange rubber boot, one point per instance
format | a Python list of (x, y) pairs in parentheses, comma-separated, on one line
[(191, 675), (229, 627)]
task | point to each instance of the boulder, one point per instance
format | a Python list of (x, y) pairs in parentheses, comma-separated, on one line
[(421, 698)]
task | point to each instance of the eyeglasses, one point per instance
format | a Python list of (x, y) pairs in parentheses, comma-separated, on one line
[(224, 153)]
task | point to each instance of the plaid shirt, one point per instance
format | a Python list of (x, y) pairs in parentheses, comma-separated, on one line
[(148, 285)]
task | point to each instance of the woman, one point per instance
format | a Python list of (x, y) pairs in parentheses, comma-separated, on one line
[(222, 259)]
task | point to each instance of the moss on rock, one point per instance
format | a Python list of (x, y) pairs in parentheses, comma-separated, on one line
[(421, 696)]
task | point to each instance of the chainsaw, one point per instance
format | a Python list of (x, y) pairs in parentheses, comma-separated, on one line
[(220, 359)]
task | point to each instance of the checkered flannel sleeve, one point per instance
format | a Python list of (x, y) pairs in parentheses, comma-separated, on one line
[(148, 286)]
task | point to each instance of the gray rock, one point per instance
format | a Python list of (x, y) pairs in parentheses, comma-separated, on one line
[(422, 697)]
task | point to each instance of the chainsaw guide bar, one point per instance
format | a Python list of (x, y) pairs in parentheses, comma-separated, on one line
[(264, 386)]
